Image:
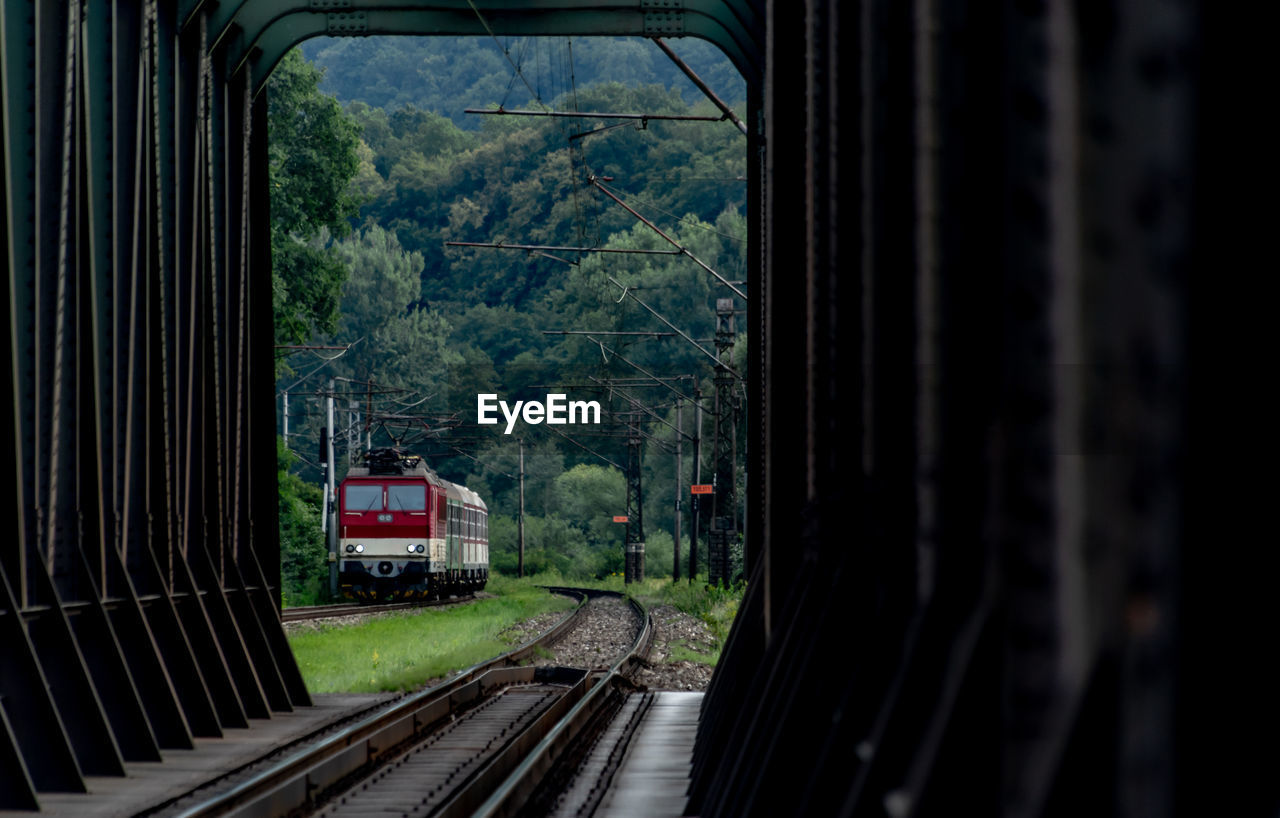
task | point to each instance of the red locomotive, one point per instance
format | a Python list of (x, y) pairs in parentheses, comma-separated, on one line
[(405, 533)]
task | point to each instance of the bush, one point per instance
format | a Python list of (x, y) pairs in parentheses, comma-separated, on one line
[(659, 553), (304, 570), (550, 544)]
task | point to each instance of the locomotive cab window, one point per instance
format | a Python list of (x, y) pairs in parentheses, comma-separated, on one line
[(407, 498), (363, 498)]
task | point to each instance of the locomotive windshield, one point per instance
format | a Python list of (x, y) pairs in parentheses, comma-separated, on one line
[(407, 498), (364, 497)]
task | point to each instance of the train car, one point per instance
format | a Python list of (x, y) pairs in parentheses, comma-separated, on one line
[(406, 533)]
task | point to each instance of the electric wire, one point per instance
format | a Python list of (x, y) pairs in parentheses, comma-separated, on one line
[(685, 219)]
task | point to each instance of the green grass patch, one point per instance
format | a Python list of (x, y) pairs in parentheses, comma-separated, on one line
[(539, 652), (680, 651), (402, 651), (716, 606)]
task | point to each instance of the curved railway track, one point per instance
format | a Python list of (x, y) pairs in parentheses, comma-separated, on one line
[(492, 732)]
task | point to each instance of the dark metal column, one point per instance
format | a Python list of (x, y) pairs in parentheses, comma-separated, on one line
[(136, 608), (724, 509), (634, 547)]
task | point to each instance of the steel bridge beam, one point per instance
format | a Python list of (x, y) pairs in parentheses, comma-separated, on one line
[(256, 35), (977, 238)]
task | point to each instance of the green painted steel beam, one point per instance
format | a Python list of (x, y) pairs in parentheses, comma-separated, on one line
[(257, 33)]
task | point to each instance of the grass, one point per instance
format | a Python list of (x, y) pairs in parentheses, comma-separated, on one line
[(404, 650), (680, 651), (716, 607)]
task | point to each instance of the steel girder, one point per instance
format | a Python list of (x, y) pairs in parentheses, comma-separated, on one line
[(138, 580), (257, 33), (977, 235)]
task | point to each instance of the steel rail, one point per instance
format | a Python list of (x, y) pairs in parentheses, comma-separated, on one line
[(553, 731), (292, 782), (513, 793), (308, 612)]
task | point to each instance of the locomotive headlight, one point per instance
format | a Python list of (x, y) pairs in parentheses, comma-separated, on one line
[(421, 548), (359, 548), (409, 548), (350, 548)]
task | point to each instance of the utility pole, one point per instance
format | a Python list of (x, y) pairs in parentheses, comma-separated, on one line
[(329, 496), (368, 422), (675, 560), (520, 561), (353, 431), (634, 548), (696, 503), (723, 523), (286, 420)]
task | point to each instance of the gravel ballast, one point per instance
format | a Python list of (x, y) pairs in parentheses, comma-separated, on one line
[(608, 628)]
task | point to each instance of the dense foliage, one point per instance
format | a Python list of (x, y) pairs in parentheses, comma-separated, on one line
[(302, 549), (430, 326), (451, 74), (312, 160)]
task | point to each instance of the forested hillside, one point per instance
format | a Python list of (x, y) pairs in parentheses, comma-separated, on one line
[(431, 326), (447, 75)]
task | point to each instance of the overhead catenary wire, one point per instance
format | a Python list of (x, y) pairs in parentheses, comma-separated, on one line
[(502, 245), (635, 402), (685, 219), (594, 180), (500, 111), (702, 86), (643, 118), (506, 53), (537, 97), (586, 448), (418, 402), (628, 294), (642, 333), (319, 367), (642, 370), (610, 386), (487, 466), (607, 129), (633, 382), (634, 426)]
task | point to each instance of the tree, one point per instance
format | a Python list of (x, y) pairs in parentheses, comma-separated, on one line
[(401, 344), (313, 159), (589, 496)]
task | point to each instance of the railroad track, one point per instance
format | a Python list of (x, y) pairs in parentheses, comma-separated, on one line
[(307, 612), (492, 732)]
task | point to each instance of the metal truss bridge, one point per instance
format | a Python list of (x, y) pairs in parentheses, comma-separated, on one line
[(970, 226)]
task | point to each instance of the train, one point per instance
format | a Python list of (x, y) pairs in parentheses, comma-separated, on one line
[(406, 534)]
